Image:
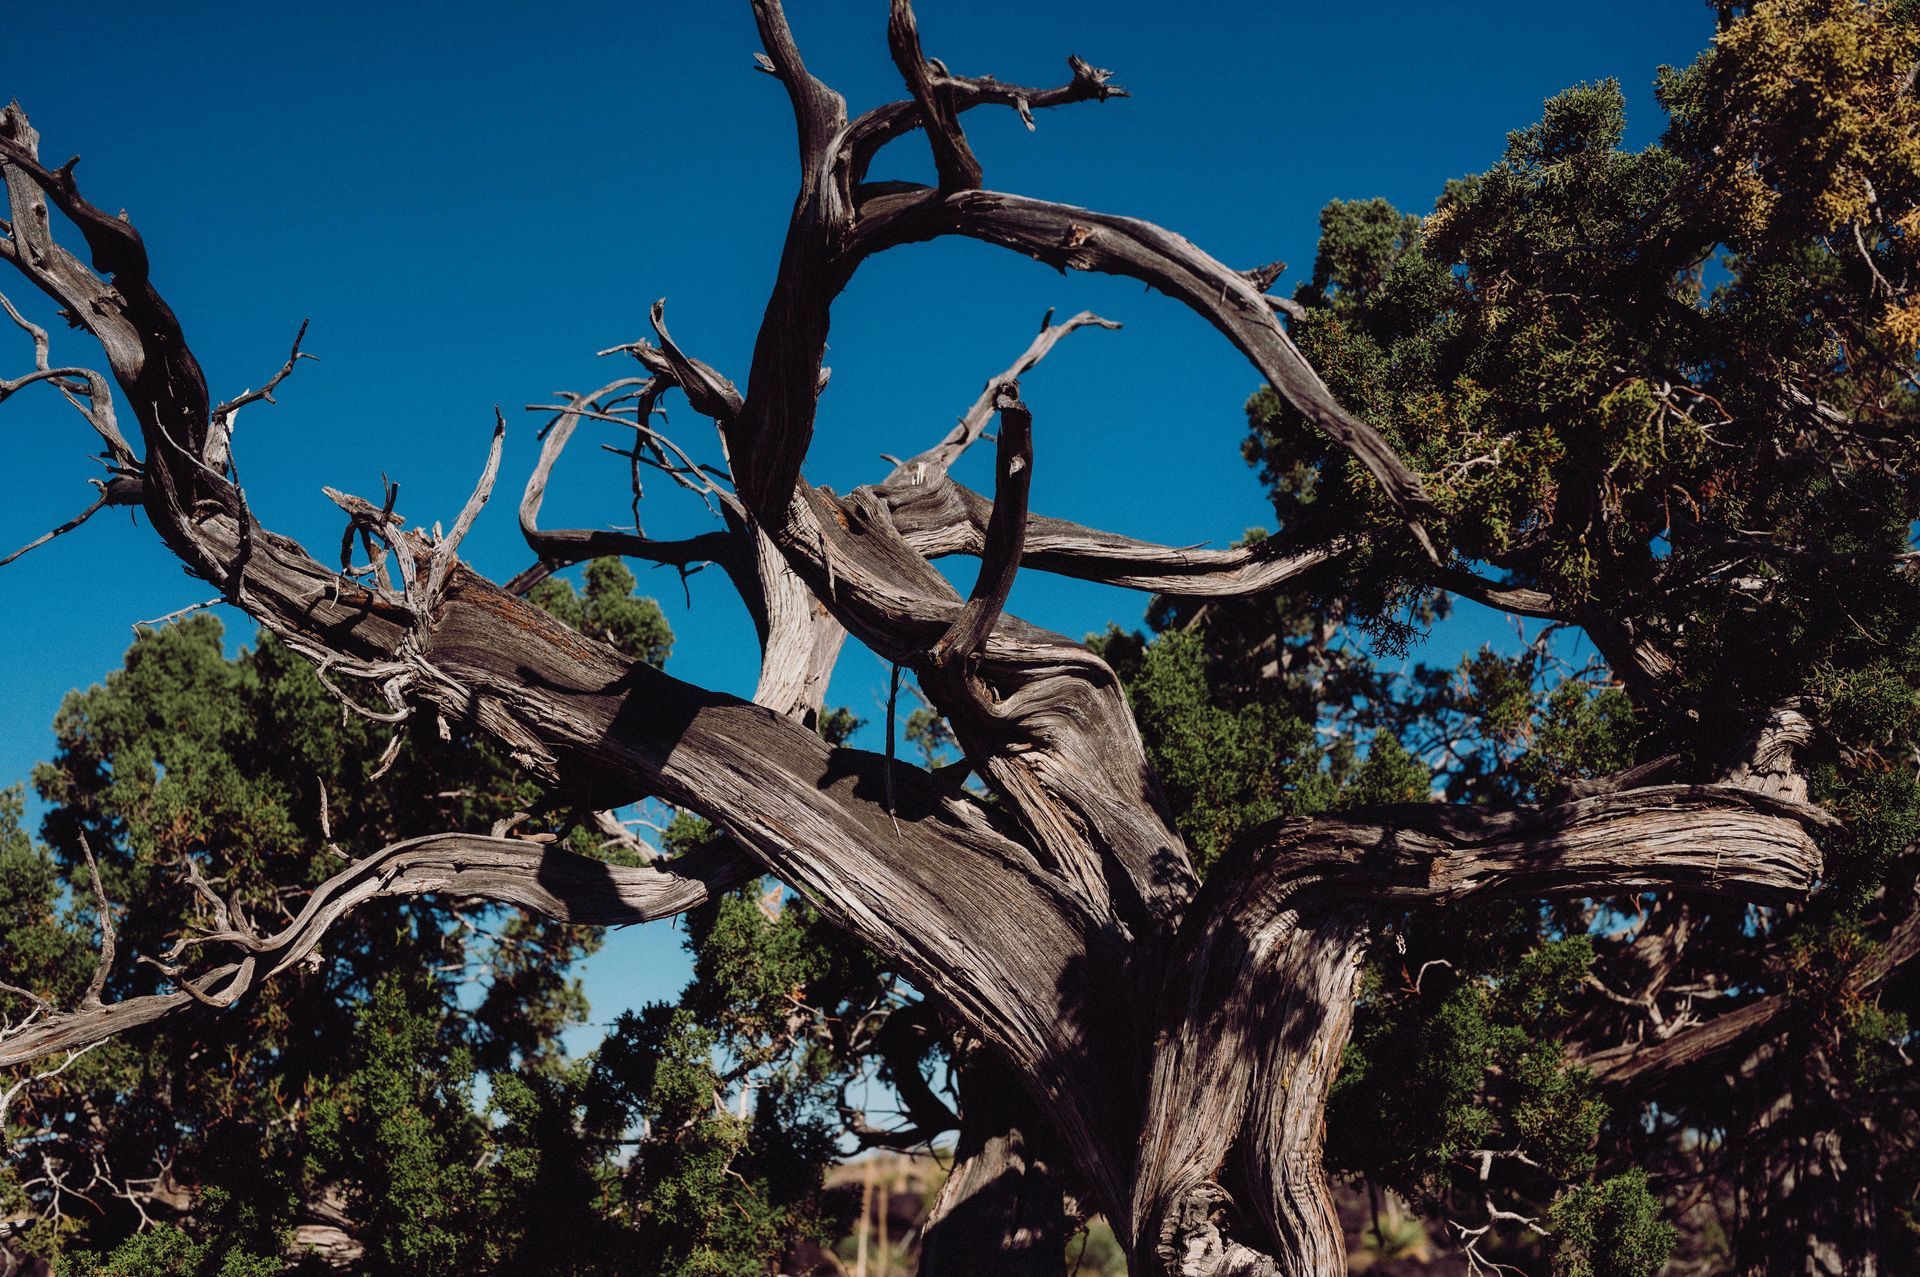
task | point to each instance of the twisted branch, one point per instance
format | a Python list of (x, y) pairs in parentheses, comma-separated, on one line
[(558, 884)]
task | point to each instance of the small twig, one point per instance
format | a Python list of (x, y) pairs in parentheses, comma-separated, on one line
[(443, 553), (390, 755), (99, 982), (226, 410), (12, 1093), (1422, 973), (973, 423), (893, 705), (326, 820), (63, 529), (39, 1003), (159, 621)]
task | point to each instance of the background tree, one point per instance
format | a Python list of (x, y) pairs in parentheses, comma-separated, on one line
[(1669, 395), (1540, 397)]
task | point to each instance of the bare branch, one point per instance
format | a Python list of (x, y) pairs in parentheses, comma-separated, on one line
[(1516, 599), (941, 517), (231, 406), (1080, 239), (105, 499), (91, 998), (818, 111), (73, 383), (443, 553), (799, 637), (1268, 970), (559, 548), (176, 614), (1730, 1038), (953, 159), (874, 129), (136, 328), (221, 418), (546, 880), (955, 651), (942, 455), (1263, 277), (21, 1085)]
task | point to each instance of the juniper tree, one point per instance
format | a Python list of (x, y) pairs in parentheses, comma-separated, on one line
[(1663, 398)]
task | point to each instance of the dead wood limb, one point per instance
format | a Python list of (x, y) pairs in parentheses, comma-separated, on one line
[(1727, 1042), (1259, 1003), (222, 417), (953, 159), (100, 503), (938, 517), (444, 550), (818, 111), (955, 650), (881, 125), (923, 468), (545, 880), (1082, 239)]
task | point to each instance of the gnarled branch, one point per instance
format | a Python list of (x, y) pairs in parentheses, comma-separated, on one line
[(1268, 969), (559, 884)]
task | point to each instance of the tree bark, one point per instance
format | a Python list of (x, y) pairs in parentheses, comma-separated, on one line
[(1002, 1209)]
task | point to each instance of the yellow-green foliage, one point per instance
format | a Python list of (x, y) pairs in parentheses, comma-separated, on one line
[(1811, 115)]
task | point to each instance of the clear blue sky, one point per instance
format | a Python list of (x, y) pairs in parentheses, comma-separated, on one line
[(469, 200)]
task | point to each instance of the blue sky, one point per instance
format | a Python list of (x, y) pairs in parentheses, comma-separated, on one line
[(468, 201)]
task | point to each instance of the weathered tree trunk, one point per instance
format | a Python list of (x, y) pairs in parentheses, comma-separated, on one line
[(1003, 1209)]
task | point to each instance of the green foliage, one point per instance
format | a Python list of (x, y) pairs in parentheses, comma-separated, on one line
[(838, 724), (1409, 1128), (733, 1090), (1095, 1252), (1431, 1076), (1388, 774), (1671, 390), (1801, 119), (610, 610), (402, 1133), (41, 949), (350, 1080), (172, 1251), (1581, 730), (1224, 768), (1359, 242), (717, 1187), (929, 732), (713, 1192), (1233, 741), (358, 1083), (1610, 1229)]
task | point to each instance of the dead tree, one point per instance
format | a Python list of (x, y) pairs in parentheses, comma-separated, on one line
[(1170, 1047)]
